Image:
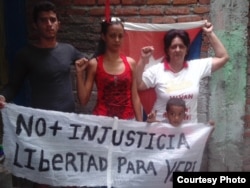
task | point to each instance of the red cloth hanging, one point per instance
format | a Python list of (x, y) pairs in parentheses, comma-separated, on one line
[(107, 10)]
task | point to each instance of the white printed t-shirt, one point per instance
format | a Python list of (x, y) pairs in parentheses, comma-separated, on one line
[(184, 84)]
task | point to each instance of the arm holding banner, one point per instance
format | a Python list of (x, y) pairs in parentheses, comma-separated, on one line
[(221, 55), (151, 117), (2, 101)]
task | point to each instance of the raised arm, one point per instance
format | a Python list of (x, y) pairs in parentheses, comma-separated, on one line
[(146, 52), (221, 56), (85, 82)]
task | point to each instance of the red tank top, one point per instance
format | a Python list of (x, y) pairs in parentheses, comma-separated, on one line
[(114, 92)]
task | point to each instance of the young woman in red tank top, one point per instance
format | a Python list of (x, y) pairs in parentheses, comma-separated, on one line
[(113, 74)]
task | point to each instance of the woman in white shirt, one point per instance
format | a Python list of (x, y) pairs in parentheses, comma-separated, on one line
[(175, 76)]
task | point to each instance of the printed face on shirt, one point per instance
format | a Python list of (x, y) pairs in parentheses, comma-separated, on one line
[(176, 115), (177, 50), (114, 37), (47, 24)]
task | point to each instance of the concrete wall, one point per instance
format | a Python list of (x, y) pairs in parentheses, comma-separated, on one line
[(227, 86)]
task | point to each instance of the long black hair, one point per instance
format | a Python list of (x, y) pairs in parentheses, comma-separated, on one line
[(101, 48)]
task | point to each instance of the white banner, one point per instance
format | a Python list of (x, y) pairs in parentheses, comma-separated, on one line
[(68, 149)]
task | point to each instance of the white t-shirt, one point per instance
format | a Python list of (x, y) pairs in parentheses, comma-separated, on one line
[(184, 84)]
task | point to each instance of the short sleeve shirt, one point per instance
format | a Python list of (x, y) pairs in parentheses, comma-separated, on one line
[(184, 84)]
